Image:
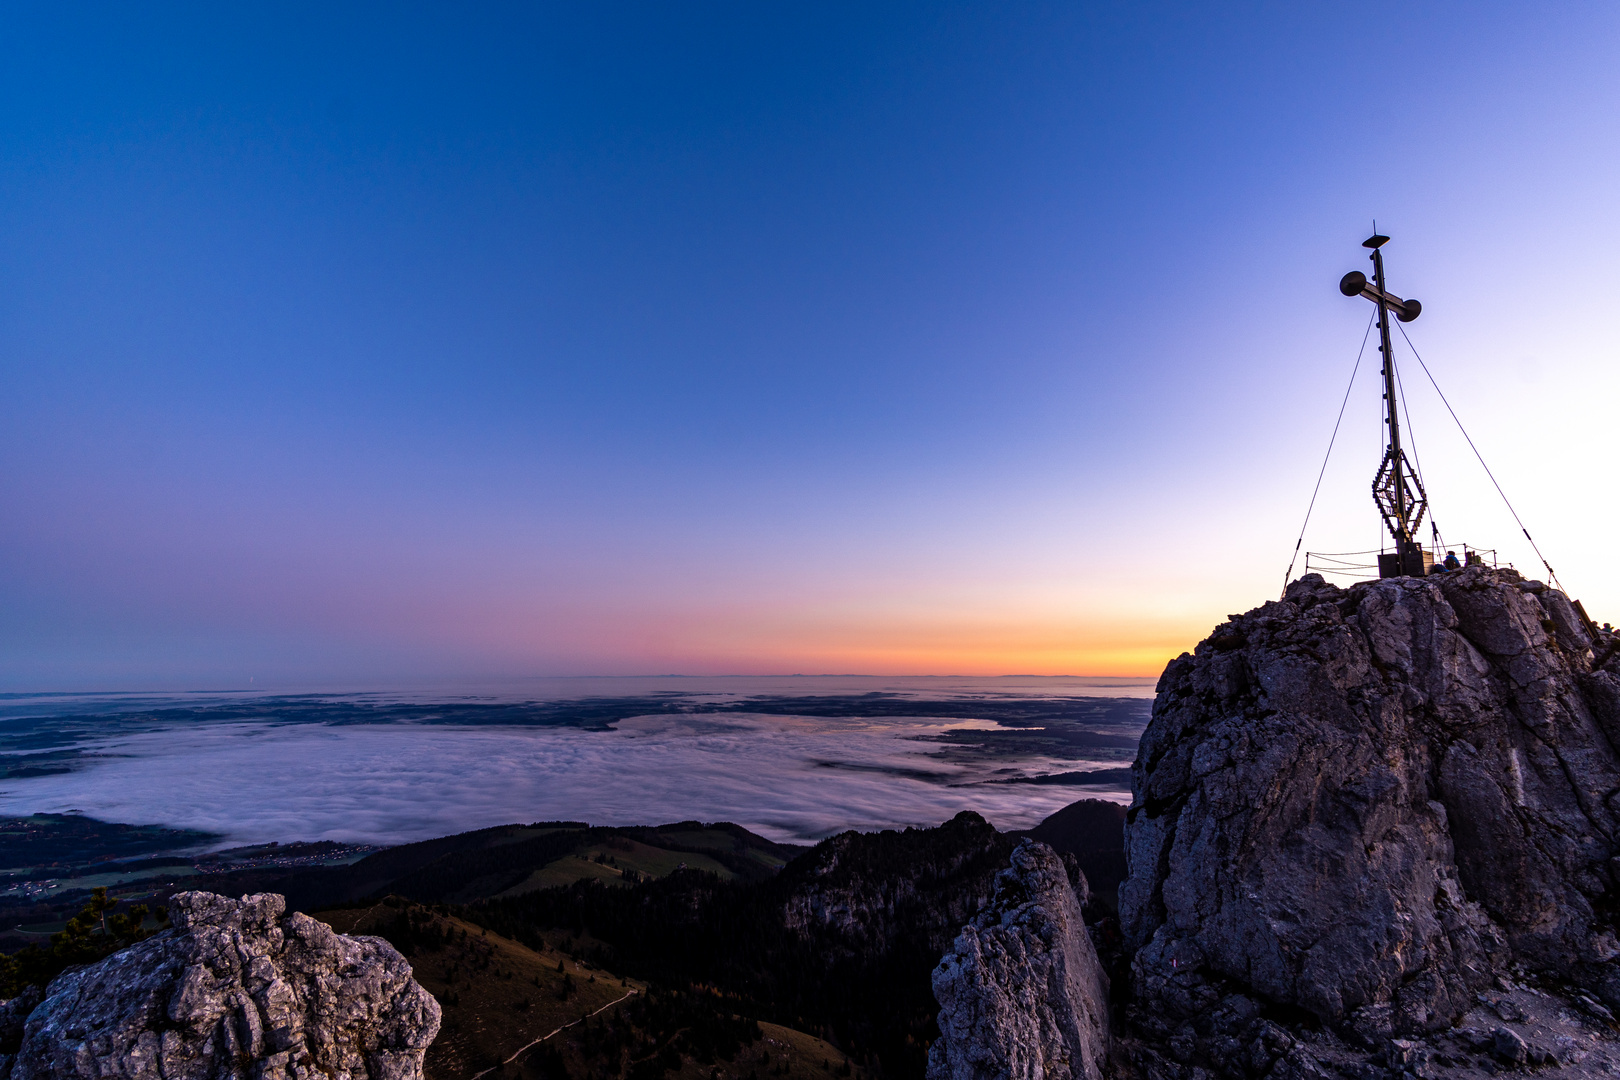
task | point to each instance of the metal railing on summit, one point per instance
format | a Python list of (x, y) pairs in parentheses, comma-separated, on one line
[(1360, 565)]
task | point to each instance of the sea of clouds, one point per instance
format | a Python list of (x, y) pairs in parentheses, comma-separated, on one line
[(790, 778)]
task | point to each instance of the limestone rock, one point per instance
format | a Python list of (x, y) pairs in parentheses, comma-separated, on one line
[(1362, 804), (238, 990), (1021, 993)]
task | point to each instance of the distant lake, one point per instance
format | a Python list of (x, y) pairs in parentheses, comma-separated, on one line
[(795, 758)]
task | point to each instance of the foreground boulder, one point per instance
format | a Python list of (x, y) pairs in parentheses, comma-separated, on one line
[(238, 989), (1021, 993), (1361, 816)]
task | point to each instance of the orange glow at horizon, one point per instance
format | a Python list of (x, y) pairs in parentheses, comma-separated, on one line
[(1125, 650)]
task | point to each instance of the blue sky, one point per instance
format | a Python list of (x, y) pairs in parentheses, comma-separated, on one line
[(444, 341)]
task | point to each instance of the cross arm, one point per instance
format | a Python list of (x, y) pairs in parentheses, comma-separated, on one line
[(1355, 283)]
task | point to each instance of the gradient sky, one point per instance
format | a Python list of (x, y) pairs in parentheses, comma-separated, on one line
[(349, 344)]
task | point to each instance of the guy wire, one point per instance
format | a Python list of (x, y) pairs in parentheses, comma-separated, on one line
[(1323, 471), (1551, 573)]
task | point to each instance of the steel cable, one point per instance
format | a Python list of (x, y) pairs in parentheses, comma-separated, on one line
[(1551, 573), (1323, 471)]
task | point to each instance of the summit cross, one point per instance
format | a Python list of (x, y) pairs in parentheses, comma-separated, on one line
[(1397, 489)]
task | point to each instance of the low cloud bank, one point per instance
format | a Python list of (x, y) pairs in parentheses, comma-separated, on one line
[(789, 778)]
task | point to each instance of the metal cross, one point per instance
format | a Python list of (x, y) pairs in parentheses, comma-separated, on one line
[(1396, 489)]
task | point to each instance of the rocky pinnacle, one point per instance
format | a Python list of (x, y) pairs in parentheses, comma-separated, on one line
[(1021, 993)]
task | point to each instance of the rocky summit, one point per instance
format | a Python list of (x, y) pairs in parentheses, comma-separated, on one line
[(1374, 833), (237, 990)]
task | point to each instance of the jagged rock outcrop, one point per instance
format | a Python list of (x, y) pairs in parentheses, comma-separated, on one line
[(1359, 809), (1022, 995), (237, 989)]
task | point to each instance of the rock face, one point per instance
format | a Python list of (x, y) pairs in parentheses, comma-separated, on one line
[(1359, 808), (236, 990), (1022, 995)]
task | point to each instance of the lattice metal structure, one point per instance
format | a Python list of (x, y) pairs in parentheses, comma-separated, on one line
[(1413, 500)]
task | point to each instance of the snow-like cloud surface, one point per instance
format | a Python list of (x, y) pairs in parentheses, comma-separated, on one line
[(788, 778)]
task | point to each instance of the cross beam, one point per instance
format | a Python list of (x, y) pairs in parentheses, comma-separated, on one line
[(1355, 283)]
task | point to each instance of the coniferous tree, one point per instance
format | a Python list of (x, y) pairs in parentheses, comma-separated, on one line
[(91, 935)]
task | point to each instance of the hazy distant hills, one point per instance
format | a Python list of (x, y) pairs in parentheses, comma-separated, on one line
[(512, 859), (54, 860)]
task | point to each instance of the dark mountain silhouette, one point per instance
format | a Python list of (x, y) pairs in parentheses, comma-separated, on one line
[(1093, 831)]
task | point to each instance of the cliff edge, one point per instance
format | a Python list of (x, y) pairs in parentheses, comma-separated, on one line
[(1372, 816)]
